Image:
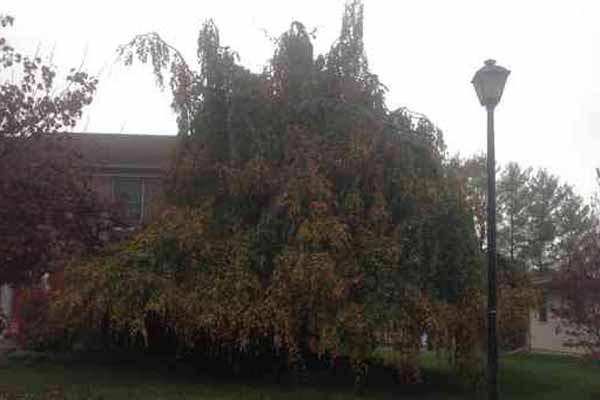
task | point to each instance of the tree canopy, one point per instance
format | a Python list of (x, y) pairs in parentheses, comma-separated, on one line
[(577, 283), (540, 218), (302, 217), (46, 208)]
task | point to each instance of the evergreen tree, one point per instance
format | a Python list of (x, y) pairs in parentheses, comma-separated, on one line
[(573, 221), (547, 196), (514, 200)]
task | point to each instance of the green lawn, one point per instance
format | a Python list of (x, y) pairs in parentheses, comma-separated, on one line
[(522, 377), (549, 377)]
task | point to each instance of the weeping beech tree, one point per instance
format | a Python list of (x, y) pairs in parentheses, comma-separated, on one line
[(303, 217)]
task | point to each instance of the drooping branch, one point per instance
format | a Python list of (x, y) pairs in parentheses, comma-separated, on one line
[(151, 48)]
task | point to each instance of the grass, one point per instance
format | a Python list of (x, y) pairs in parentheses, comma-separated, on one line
[(530, 377), (549, 377)]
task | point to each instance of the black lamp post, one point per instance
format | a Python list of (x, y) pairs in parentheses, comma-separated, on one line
[(489, 84)]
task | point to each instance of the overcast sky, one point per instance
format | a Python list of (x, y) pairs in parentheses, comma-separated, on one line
[(425, 51)]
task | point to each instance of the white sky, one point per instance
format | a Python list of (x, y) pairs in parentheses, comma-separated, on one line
[(425, 51)]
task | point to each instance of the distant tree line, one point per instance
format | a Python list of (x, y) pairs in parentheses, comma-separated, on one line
[(540, 219)]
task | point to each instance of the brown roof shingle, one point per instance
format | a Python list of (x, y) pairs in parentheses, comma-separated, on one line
[(125, 150)]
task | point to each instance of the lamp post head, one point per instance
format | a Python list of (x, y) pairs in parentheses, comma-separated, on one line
[(489, 83)]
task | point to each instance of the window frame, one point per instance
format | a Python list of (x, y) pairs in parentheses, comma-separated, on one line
[(114, 185)]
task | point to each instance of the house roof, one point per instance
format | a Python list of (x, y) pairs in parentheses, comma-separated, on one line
[(106, 150)]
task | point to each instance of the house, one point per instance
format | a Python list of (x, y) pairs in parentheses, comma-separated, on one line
[(544, 333), (125, 169)]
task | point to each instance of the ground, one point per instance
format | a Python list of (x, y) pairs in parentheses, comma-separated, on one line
[(522, 377)]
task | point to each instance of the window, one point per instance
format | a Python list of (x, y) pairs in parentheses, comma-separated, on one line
[(543, 311), (129, 194)]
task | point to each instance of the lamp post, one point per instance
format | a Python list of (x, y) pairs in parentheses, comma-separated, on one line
[(489, 84)]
